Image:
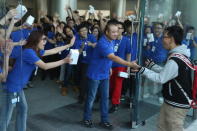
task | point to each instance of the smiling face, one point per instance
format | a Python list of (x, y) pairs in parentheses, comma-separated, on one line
[(95, 32), (112, 32), (83, 32), (69, 32), (158, 30)]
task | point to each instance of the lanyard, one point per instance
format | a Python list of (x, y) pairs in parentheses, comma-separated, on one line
[(118, 43)]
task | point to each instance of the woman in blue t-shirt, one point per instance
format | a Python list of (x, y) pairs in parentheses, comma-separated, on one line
[(4, 58), (20, 74)]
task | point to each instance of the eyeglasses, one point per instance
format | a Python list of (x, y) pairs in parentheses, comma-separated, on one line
[(83, 30), (159, 28), (44, 39), (166, 37), (120, 28)]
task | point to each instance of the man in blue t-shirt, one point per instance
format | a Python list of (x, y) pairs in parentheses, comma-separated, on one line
[(191, 41), (85, 43), (158, 53), (122, 48), (98, 74)]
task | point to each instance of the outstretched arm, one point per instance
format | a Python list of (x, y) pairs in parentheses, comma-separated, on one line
[(59, 49), (50, 65), (9, 15), (6, 50), (123, 62)]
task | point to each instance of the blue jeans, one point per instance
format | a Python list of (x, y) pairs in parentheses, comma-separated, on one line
[(103, 87), (7, 107), (68, 72)]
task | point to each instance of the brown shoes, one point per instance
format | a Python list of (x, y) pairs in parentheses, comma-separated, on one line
[(63, 91), (75, 89)]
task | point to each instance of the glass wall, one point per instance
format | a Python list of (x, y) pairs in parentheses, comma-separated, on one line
[(156, 15)]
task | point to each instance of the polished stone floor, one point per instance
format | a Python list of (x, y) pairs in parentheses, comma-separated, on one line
[(49, 111)]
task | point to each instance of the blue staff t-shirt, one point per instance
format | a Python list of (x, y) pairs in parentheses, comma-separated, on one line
[(100, 65), (21, 34), (189, 44), (87, 51), (19, 76), (65, 52), (122, 47), (49, 45), (158, 53)]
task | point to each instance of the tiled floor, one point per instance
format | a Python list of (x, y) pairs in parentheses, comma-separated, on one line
[(49, 111)]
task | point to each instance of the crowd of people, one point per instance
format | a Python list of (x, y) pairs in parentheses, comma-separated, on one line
[(107, 48)]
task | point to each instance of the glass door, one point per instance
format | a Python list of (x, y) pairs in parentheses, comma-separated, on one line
[(154, 17)]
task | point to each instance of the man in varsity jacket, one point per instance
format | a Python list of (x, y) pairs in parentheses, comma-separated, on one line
[(176, 79)]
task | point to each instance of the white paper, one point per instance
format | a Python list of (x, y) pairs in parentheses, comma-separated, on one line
[(131, 17), (188, 36), (153, 49), (30, 20), (160, 15), (91, 9), (123, 74), (178, 13), (14, 100), (150, 37), (145, 42), (21, 11), (74, 55)]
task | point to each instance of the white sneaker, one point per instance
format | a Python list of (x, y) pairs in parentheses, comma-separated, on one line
[(161, 100), (146, 95)]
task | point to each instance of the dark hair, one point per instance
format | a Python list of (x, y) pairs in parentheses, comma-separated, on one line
[(190, 28), (123, 25), (33, 40), (82, 16), (58, 35), (68, 18), (49, 17), (127, 23), (65, 27), (1, 26), (76, 11), (158, 23), (110, 23), (62, 22), (68, 38), (82, 25), (99, 31), (176, 32), (146, 27)]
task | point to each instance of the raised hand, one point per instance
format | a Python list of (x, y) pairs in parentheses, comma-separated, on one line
[(67, 59), (67, 7), (12, 13), (149, 63), (6, 49), (22, 42), (135, 66), (73, 40), (59, 29)]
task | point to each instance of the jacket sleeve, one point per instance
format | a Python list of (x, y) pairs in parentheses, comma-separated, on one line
[(156, 68), (169, 72)]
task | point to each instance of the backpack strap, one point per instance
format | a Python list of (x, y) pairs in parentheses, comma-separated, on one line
[(183, 58), (193, 102), (194, 90)]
